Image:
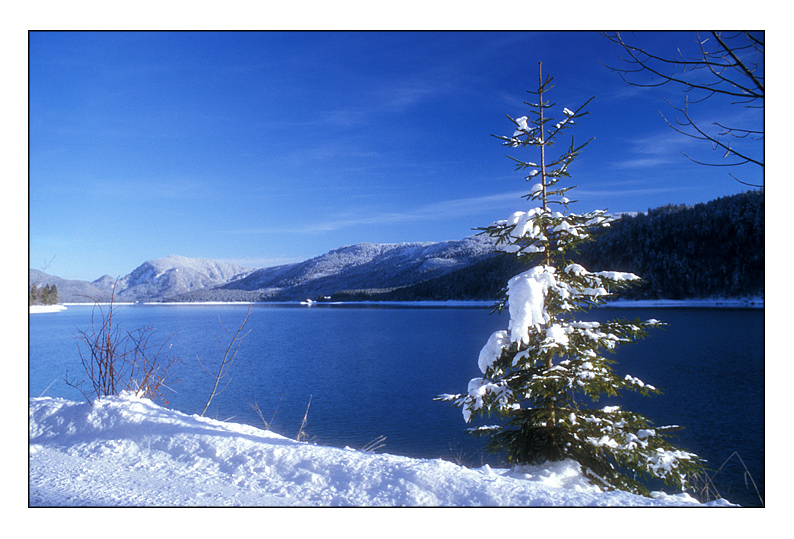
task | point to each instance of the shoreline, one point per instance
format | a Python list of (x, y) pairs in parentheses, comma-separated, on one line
[(730, 303)]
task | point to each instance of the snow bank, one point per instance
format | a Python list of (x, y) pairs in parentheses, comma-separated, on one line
[(126, 451), (33, 309)]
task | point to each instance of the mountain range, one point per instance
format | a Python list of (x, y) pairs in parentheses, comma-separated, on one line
[(353, 267), (713, 249)]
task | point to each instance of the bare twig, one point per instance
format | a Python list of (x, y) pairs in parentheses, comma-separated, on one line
[(708, 491), (715, 140), (301, 434), (229, 355), (726, 59), (255, 407), (374, 445), (48, 387)]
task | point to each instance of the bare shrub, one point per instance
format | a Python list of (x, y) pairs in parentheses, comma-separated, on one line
[(116, 361), (705, 490), (255, 407)]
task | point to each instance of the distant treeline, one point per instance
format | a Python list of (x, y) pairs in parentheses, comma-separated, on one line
[(714, 249), (46, 295)]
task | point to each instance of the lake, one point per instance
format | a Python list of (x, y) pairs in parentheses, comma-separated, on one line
[(365, 371)]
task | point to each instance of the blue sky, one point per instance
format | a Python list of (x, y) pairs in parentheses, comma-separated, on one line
[(264, 148)]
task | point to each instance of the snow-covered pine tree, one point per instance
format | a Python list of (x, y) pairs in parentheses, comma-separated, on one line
[(544, 374)]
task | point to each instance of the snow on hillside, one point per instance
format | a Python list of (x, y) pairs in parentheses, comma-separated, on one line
[(127, 451), (175, 274), (366, 265)]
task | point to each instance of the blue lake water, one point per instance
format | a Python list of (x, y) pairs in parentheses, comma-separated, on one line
[(373, 370)]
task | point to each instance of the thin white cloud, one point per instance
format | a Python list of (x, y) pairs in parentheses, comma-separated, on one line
[(158, 188), (660, 148), (429, 212), (618, 192), (645, 162), (399, 97), (452, 208)]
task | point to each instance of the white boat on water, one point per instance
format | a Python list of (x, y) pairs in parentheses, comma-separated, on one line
[(308, 302)]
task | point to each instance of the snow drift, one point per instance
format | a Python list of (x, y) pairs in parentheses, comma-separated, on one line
[(127, 451)]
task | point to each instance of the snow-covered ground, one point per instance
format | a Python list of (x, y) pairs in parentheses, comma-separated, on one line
[(127, 451), (34, 309)]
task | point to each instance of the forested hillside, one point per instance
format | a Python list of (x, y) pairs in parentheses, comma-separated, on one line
[(714, 249), (711, 249)]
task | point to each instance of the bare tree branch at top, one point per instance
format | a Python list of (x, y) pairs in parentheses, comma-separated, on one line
[(726, 65)]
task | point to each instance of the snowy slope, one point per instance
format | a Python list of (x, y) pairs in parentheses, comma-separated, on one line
[(152, 280), (366, 265), (164, 277), (126, 451)]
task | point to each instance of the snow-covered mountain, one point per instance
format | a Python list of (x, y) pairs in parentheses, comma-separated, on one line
[(153, 280), (353, 267), (364, 266), (174, 275)]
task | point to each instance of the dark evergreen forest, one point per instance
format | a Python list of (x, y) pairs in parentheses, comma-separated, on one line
[(713, 249)]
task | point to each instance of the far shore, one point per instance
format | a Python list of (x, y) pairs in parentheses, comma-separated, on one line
[(734, 303)]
